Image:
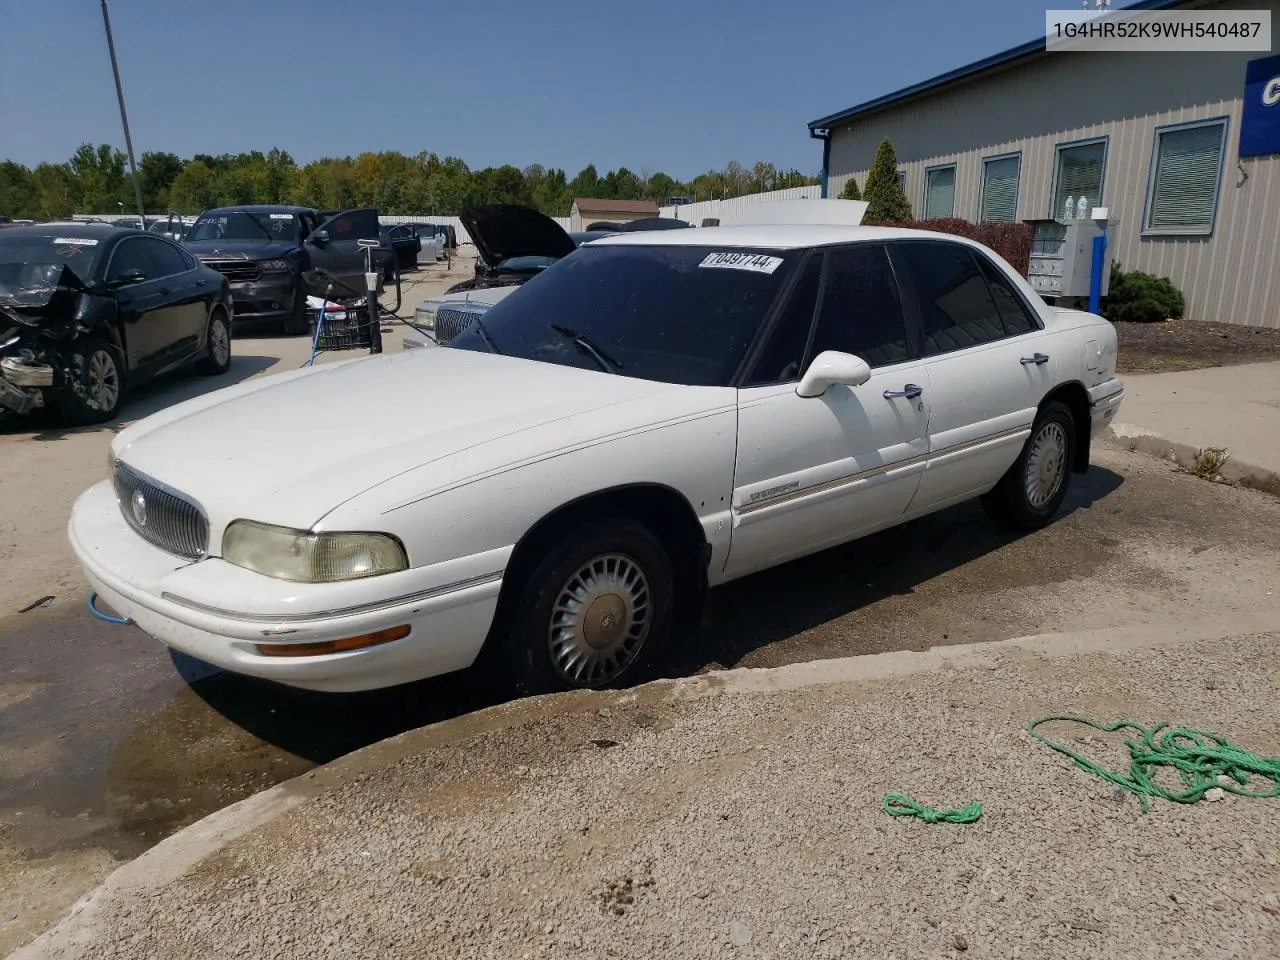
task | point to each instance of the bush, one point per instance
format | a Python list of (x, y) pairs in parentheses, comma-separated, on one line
[(1011, 240), (1141, 298), (886, 201), (851, 191)]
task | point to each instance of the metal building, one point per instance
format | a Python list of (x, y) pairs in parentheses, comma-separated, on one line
[(1154, 137)]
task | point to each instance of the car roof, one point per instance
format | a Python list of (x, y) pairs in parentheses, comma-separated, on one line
[(61, 228), (260, 208), (772, 236)]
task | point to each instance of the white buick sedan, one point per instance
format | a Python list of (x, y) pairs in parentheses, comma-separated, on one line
[(655, 414)]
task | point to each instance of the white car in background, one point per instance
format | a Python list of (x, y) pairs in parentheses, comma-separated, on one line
[(657, 414)]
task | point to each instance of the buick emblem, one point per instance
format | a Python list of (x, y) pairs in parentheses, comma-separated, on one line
[(139, 507)]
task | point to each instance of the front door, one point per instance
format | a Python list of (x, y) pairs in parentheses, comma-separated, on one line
[(813, 472), (334, 246), (145, 312), (981, 343)]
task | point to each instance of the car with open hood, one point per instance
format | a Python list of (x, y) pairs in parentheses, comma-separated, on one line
[(513, 244), (88, 309), (656, 414), (268, 254)]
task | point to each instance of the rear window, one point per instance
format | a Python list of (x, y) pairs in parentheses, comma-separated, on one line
[(674, 314)]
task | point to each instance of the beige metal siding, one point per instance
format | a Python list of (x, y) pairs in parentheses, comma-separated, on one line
[(1230, 276)]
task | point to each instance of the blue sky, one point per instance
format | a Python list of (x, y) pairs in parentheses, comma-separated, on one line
[(674, 85)]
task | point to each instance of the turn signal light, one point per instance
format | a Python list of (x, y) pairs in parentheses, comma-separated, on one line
[(334, 646)]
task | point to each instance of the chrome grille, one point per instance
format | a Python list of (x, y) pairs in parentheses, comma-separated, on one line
[(236, 270), (450, 322), (165, 519)]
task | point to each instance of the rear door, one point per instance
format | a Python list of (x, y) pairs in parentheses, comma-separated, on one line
[(981, 343), (335, 246), (816, 471), (184, 294)]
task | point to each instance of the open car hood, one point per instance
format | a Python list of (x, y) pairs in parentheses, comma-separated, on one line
[(501, 231)]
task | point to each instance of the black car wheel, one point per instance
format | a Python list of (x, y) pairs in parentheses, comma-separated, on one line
[(1030, 493), (217, 359), (596, 612), (296, 322), (93, 382)]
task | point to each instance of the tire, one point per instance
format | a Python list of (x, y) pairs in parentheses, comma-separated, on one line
[(296, 322), (218, 358), (93, 384), (1032, 490), (629, 581)]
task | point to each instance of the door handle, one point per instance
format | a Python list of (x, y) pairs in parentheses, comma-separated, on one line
[(201, 283), (1037, 358), (910, 391)]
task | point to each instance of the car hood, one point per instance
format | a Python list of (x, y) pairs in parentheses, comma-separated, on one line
[(291, 448), (503, 230), (240, 249)]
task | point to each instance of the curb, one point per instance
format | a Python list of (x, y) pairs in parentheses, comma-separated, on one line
[(78, 933), (1237, 471)]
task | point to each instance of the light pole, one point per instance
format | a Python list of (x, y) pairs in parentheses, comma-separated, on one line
[(124, 117)]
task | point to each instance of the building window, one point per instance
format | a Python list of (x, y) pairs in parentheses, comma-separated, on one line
[(1078, 173), (998, 202), (940, 192), (1186, 170), (902, 180)]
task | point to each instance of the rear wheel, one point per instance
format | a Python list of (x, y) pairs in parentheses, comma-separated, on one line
[(596, 612), (93, 382), (1032, 491), (218, 358)]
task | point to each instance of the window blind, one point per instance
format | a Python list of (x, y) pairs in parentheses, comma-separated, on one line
[(940, 193), (1000, 190), (1184, 190)]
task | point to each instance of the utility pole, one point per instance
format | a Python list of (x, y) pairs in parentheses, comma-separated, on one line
[(124, 117)]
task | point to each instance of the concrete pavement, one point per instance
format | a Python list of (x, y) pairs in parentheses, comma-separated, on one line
[(1174, 415)]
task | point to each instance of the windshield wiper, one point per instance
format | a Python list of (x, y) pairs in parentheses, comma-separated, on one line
[(265, 232), (607, 363), (486, 337)]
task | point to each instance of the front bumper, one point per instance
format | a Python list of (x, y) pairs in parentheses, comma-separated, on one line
[(1104, 401), (270, 298), (185, 605)]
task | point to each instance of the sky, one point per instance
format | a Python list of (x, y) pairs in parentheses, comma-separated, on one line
[(681, 86)]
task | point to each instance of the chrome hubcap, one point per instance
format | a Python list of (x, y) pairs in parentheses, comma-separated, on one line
[(1046, 464), (103, 381), (600, 621), (219, 342)]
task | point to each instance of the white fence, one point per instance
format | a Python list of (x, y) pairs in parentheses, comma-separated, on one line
[(728, 211)]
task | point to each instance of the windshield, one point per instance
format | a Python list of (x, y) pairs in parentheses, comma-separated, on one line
[(25, 261), (675, 314), (245, 225), (525, 264)]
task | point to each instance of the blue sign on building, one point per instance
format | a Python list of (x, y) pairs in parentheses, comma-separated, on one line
[(1260, 124)]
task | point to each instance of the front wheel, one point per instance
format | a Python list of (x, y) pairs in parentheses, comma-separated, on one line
[(596, 612), (217, 359), (93, 384), (296, 322), (1032, 491)]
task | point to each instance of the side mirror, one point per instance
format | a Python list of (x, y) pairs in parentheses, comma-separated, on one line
[(128, 278), (320, 238), (831, 367)]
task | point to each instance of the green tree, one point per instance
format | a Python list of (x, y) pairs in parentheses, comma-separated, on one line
[(886, 200), (100, 175), (158, 170), (57, 189), (195, 189), (586, 183), (19, 198), (851, 191)]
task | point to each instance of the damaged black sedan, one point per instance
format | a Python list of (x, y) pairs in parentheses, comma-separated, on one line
[(89, 309)]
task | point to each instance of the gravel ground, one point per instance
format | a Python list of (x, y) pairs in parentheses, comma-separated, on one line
[(743, 824), (1192, 344)]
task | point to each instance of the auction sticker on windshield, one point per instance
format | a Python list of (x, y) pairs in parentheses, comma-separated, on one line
[(282, 216), (755, 262), (76, 241)]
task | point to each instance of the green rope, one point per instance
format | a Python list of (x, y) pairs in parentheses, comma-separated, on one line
[(900, 805), (1203, 761)]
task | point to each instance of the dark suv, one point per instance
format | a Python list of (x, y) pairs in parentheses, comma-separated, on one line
[(264, 252)]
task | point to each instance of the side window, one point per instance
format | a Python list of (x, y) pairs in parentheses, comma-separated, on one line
[(956, 309), (168, 259), (784, 352), (861, 312), (130, 255), (188, 261), (355, 225), (1014, 313)]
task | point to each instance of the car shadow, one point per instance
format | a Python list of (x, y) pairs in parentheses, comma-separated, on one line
[(151, 397), (741, 617)]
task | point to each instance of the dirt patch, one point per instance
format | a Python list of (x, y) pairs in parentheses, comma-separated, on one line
[(1191, 345)]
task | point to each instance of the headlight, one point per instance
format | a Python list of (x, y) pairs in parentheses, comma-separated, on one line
[(275, 266), (425, 316), (304, 557)]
